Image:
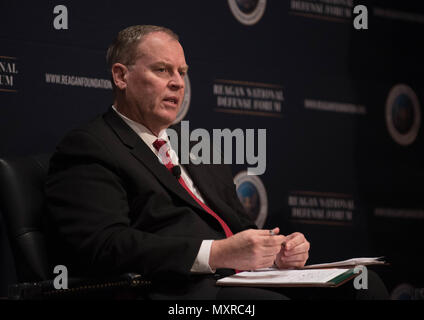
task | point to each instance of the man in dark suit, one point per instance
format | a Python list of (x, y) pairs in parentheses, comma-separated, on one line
[(114, 207)]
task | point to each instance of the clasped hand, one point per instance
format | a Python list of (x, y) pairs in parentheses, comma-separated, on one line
[(254, 249)]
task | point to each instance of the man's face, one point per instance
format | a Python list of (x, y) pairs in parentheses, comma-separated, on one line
[(155, 82)]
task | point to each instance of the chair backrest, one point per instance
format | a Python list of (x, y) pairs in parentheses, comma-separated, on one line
[(22, 206)]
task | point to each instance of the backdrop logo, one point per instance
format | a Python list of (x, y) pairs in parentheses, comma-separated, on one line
[(315, 207), (8, 74), (252, 194), (247, 12), (248, 98), (405, 291), (334, 106), (334, 10), (77, 81), (403, 114), (185, 105)]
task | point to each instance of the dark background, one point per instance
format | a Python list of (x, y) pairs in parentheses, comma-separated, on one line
[(310, 56)]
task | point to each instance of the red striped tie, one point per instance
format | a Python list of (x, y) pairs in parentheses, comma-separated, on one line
[(166, 159)]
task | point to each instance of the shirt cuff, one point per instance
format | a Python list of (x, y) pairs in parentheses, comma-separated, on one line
[(201, 264)]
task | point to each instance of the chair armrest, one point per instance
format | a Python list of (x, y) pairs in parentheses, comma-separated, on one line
[(79, 287)]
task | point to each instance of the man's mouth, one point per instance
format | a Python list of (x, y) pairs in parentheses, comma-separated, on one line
[(171, 101)]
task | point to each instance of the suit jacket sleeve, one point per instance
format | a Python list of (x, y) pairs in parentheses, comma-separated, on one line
[(87, 203)]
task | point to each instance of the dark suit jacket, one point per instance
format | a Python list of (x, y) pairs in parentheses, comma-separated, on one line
[(113, 207)]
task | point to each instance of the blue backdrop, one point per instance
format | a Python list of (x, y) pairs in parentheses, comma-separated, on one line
[(342, 107)]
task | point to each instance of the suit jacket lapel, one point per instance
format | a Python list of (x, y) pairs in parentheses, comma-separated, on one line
[(204, 180), (143, 153)]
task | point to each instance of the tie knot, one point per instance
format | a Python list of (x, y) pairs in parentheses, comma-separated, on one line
[(159, 143)]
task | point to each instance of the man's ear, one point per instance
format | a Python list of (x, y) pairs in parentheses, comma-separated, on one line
[(119, 75)]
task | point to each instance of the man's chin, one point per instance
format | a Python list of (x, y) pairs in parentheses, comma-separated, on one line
[(167, 120), (170, 114)]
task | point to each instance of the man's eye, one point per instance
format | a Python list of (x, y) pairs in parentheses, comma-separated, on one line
[(161, 69)]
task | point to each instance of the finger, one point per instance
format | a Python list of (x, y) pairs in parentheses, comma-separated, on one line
[(294, 240), (274, 241), (267, 232), (267, 250), (302, 248), (292, 235), (273, 232), (301, 257), (295, 259)]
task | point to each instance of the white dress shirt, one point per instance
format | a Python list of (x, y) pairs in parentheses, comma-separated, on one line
[(201, 264)]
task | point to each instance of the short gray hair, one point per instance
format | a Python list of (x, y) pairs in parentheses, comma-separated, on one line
[(124, 48)]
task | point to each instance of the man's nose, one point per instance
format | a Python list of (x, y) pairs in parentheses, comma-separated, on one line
[(177, 82)]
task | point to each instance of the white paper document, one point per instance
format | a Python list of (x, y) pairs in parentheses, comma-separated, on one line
[(275, 277), (347, 263)]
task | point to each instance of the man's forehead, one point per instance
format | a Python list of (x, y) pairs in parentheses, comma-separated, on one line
[(157, 36), (159, 45)]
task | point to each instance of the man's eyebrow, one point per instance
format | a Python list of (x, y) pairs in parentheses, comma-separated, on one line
[(159, 63), (164, 63), (184, 68)]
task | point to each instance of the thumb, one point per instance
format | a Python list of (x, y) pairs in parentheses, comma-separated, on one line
[(274, 231), (268, 232)]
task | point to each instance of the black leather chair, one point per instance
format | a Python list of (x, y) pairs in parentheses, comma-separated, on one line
[(22, 206)]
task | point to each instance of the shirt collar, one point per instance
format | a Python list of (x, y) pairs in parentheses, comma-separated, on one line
[(144, 133)]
